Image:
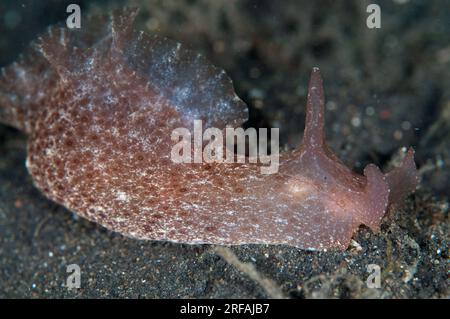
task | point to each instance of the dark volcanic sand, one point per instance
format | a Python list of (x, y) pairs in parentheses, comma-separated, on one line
[(385, 89)]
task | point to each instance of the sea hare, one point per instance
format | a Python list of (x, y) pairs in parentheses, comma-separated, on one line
[(99, 105)]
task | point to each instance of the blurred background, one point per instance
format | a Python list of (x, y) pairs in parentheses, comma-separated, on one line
[(385, 89)]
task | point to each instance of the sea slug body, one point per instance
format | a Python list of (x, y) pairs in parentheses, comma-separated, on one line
[(99, 105)]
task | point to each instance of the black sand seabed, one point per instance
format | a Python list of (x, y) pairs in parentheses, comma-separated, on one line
[(385, 89)]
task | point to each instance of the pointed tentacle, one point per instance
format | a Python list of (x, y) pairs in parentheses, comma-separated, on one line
[(403, 180), (377, 197), (314, 135)]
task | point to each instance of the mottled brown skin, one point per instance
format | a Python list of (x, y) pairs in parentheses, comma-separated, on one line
[(99, 106)]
